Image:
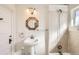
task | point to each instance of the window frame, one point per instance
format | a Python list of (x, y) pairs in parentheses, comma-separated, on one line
[(73, 16)]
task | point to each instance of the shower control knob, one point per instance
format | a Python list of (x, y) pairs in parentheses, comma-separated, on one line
[(59, 46)]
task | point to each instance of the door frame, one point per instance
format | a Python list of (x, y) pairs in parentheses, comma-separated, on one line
[(13, 25)]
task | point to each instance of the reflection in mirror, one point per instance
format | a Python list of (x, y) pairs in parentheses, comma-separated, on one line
[(32, 23)]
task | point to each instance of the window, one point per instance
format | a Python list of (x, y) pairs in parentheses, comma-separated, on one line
[(77, 18)]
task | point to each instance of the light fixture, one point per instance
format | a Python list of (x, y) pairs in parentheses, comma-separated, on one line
[(31, 10)]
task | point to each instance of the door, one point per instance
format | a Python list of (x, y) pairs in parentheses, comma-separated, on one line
[(5, 30)]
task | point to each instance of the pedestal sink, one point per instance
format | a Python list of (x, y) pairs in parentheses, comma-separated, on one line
[(29, 46), (29, 42)]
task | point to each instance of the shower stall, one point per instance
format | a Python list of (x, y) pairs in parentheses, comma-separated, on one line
[(58, 22)]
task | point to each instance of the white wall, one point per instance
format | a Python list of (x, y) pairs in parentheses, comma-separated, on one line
[(41, 16), (73, 41)]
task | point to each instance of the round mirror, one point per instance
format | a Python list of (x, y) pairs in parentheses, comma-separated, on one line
[(32, 23)]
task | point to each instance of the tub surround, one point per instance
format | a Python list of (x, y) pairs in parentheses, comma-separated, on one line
[(73, 40), (63, 42)]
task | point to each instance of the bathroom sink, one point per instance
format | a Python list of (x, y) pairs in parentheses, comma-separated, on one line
[(30, 42)]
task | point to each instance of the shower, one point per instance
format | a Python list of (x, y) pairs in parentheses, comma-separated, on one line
[(58, 31)]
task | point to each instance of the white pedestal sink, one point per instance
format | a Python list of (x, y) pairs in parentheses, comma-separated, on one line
[(29, 46), (29, 42)]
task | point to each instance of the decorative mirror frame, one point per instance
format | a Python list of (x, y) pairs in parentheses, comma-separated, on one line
[(35, 24)]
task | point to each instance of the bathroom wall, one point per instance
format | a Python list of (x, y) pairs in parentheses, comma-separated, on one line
[(73, 41), (22, 15)]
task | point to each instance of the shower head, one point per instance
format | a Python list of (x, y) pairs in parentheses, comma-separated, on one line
[(60, 11)]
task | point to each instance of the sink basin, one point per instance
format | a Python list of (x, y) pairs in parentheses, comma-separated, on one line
[(30, 42), (29, 45)]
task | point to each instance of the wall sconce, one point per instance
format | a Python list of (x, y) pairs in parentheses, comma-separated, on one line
[(31, 10)]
